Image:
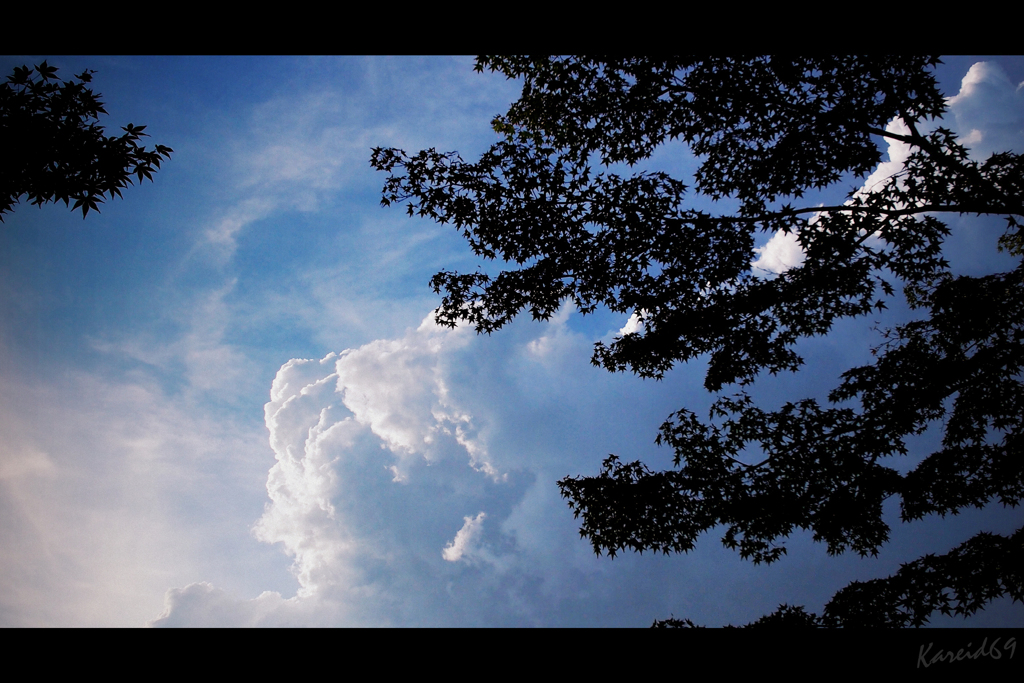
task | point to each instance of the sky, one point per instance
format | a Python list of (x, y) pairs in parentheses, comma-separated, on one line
[(224, 402)]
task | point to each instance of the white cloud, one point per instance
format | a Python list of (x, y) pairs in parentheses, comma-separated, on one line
[(323, 411), (462, 545), (202, 603), (988, 111), (634, 324), (304, 434), (397, 388), (24, 460), (781, 253), (898, 153)]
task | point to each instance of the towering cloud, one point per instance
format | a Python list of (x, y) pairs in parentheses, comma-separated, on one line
[(414, 481)]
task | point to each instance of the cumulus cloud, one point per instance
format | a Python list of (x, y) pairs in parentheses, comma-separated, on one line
[(329, 420), (202, 603), (397, 388), (462, 545), (301, 484), (377, 447), (989, 111), (394, 393), (781, 253)]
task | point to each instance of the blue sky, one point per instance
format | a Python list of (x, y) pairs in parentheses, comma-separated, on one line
[(223, 402)]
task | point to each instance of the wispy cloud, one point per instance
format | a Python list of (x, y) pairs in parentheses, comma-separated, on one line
[(107, 489)]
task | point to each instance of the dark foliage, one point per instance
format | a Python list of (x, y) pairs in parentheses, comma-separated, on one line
[(766, 130), (785, 617), (53, 148)]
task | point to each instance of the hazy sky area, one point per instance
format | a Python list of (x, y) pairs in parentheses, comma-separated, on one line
[(223, 400)]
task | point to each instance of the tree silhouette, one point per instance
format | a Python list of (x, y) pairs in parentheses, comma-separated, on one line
[(765, 131), (54, 149)]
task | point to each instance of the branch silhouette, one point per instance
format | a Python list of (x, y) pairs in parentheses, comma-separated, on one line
[(54, 148), (765, 130)]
